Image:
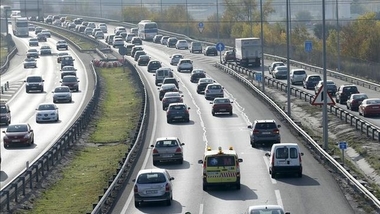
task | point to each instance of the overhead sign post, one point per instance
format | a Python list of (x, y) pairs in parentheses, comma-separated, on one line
[(319, 97), (342, 146), (200, 27), (258, 77), (220, 47), (308, 48)]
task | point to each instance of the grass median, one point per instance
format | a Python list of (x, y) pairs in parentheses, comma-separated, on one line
[(85, 175), (3, 50)]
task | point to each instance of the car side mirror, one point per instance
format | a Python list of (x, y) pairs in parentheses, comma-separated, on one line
[(278, 126), (133, 180), (301, 153), (240, 160), (199, 161), (43, 80), (250, 126), (182, 144), (152, 146), (171, 178), (267, 154), (211, 102)]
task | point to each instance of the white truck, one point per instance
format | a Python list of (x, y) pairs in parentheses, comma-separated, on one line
[(20, 26), (248, 52)]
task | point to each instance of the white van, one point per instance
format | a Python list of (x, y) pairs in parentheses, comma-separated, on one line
[(195, 47), (162, 73), (285, 158)]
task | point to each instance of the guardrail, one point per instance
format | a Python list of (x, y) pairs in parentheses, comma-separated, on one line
[(4, 87), (324, 157), (370, 130), (11, 54)]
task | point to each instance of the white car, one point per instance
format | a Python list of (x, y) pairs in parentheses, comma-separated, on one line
[(214, 90), (46, 33), (47, 112), (103, 28), (266, 208), (117, 42), (99, 35), (185, 65), (174, 59), (182, 44), (62, 94), (153, 185), (297, 76)]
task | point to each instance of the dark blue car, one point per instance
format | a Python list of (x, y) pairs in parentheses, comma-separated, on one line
[(311, 81), (177, 112)]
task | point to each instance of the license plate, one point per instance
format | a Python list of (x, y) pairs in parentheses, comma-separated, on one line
[(360, 102), (15, 141), (222, 109), (375, 107), (151, 192), (177, 117), (266, 132), (167, 156)]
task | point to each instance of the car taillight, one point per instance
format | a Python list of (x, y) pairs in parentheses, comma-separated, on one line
[(207, 91), (135, 189), (272, 161), (167, 187), (155, 151), (299, 157), (164, 99), (204, 165), (178, 150), (255, 131), (276, 131), (354, 101)]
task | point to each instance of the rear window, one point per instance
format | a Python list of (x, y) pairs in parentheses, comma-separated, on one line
[(314, 78), (69, 79), (185, 61), (149, 178), (265, 126), (299, 72), (282, 153), (350, 89), (34, 79), (17, 128), (177, 107), (221, 160), (166, 143), (214, 87), (62, 89)]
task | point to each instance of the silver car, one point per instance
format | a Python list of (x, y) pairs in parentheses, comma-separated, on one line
[(30, 63), (174, 59), (280, 72), (47, 112), (297, 76), (167, 149), (214, 90), (62, 94), (153, 185)]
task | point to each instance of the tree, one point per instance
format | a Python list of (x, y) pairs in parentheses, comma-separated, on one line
[(303, 17), (357, 7)]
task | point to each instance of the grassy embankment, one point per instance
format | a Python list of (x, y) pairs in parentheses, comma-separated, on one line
[(85, 176), (3, 50)]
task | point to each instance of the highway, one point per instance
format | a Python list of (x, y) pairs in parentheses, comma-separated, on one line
[(297, 195), (23, 105)]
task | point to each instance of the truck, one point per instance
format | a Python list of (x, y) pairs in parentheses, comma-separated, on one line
[(248, 52), (20, 26)]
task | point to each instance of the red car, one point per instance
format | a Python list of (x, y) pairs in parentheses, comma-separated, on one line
[(370, 107), (221, 105), (18, 134)]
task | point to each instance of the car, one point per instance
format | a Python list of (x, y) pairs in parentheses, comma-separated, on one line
[(311, 81), (171, 97), (182, 44), (369, 107), (41, 37), (265, 208), (5, 114), (34, 83), (197, 74), (331, 87), (214, 90), (62, 44), (221, 105), (174, 59), (18, 134), (88, 31), (136, 40), (129, 36), (355, 100), (81, 29), (164, 40), (32, 53), (167, 149), (177, 112), (103, 27), (170, 87), (94, 30), (91, 24), (220, 167), (60, 55), (185, 65), (153, 185), (169, 79), (33, 42), (297, 76), (138, 54), (285, 158), (161, 74), (109, 38), (157, 38), (68, 70), (46, 33), (153, 65), (229, 56), (57, 23), (210, 51), (134, 30), (45, 50), (344, 92), (129, 48), (37, 30), (67, 60), (62, 94), (120, 33), (143, 60), (71, 25), (99, 35), (119, 28), (202, 84), (265, 132), (274, 65), (47, 112), (195, 47), (172, 41), (280, 72), (71, 81), (117, 42), (30, 63), (134, 49)]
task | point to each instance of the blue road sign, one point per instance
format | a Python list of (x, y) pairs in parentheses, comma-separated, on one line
[(219, 46), (200, 25), (258, 77), (343, 145), (308, 46)]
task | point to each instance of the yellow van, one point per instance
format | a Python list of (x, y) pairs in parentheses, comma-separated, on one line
[(221, 167)]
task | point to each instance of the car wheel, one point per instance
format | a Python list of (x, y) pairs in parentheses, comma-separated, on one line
[(27, 91), (299, 174), (213, 113), (168, 202), (364, 114), (188, 120), (24, 66), (238, 186), (70, 100), (180, 161), (204, 187), (155, 163), (168, 121), (137, 204), (198, 92), (272, 174), (54, 101), (42, 89), (253, 144), (231, 113), (57, 119)]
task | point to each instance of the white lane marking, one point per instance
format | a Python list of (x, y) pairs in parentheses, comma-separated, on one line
[(130, 197), (200, 209), (278, 197), (240, 108), (267, 165)]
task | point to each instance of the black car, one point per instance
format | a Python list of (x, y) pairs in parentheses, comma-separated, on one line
[(344, 92), (45, 50), (41, 37), (311, 81), (157, 38), (196, 76), (202, 84), (62, 44), (134, 49), (71, 81), (136, 41), (34, 83), (170, 80), (153, 65), (211, 50), (67, 60), (167, 88), (172, 41), (143, 60), (177, 111), (138, 54), (171, 97)]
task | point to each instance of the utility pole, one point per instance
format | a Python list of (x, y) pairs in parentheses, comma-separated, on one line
[(324, 110), (288, 58), (262, 46), (337, 30)]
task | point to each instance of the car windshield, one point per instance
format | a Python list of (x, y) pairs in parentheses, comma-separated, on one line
[(222, 101), (282, 68), (167, 86), (172, 95), (46, 107), (214, 87), (3, 109), (34, 79), (17, 128), (221, 160), (166, 143), (265, 126), (171, 80), (185, 61), (177, 56), (154, 63), (62, 89), (151, 178), (373, 102)]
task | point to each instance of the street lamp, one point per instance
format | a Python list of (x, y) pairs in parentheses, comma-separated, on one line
[(337, 30), (187, 20), (288, 58), (262, 46), (217, 19), (324, 108)]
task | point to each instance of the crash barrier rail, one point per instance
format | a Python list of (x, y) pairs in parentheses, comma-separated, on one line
[(335, 74), (10, 55), (370, 130), (4, 87), (324, 157)]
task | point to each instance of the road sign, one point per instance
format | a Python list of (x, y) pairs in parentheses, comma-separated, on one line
[(200, 27), (219, 46), (258, 77), (343, 145), (319, 97), (122, 50), (308, 46)]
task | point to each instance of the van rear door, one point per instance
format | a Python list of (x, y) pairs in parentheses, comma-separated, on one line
[(221, 169)]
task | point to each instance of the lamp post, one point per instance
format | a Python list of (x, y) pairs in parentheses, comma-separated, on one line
[(187, 20), (288, 59), (217, 20), (337, 30), (262, 46), (324, 108)]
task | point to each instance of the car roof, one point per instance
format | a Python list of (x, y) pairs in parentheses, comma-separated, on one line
[(265, 121), (265, 206), (177, 104), (155, 170), (166, 138), (19, 124), (220, 150), (285, 144)]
